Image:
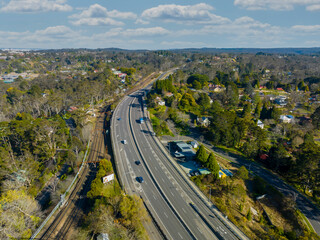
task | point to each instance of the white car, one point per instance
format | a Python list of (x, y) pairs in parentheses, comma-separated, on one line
[(124, 141)]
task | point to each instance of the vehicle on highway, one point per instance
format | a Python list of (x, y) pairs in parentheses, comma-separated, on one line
[(124, 141), (119, 118), (137, 162), (140, 179), (141, 120)]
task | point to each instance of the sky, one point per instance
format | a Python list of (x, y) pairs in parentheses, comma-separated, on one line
[(147, 24)]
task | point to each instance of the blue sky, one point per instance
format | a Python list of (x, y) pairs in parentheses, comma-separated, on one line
[(145, 24)]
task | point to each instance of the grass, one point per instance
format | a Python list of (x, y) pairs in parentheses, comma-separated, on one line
[(234, 197), (306, 221), (231, 150), (160, 127)]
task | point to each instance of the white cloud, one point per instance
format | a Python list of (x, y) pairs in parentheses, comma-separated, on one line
[(276, 4), (190, 14), (183, 44), (98, 15), (137, 32), (30, 6), (307, 28), (315, 7), (244, 31)]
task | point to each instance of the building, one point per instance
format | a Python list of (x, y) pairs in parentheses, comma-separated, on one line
[(281, 100), (203, 121), (260, 124), (286, 118), (194, 144), (183, 150)]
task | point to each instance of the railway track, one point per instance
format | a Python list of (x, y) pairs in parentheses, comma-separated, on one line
[(76, 203)]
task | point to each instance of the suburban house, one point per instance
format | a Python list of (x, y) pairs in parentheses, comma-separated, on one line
[(286, 118), (260, 124), (160, 102), (203, 121), (168, 94), (281, 100)]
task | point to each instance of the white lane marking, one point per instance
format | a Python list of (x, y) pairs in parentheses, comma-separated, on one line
[(154, 197), (184, 210), (165, 214), (180, 235), (172, 193)]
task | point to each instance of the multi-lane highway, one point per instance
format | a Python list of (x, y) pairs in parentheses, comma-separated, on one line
[(172, 200)]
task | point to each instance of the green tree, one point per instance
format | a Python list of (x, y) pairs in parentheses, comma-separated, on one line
[(316, 118), (249, 215), (201, 155), (242, 173), (213, 165)]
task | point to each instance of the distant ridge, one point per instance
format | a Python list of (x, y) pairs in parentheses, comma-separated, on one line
[(262, 51), (314, 50)]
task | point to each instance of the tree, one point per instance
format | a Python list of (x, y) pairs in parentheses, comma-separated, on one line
[(232, 94), (249, 215), (201, 155), (316, 118), (242, 173), (248, 89), (19, 215), (213, 165)]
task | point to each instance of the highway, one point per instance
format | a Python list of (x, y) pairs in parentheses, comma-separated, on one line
[(172, 200)]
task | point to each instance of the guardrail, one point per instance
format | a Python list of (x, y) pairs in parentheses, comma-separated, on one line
[(166, 199), (204, 199), (62, 200)]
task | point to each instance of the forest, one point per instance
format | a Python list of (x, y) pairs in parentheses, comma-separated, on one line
[(46, 119)]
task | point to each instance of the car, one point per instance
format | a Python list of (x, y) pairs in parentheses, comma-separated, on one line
[(124, 141), (140, 179), (153, 133), (137, 162), (119, 118)]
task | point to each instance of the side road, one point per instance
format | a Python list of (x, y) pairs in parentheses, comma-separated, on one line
[(311, 212)]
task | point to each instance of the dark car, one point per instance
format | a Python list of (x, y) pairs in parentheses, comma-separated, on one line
[(140, 179), (137, 162)]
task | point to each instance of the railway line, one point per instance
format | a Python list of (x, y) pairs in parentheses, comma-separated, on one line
[(76, 203)]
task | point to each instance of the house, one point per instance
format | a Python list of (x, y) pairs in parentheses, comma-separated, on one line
[(159, 101), (194, 144), (71, 109), (260, 124), (203, 121), (168, 94), (281, 100), (204, 171), (222, 174), (103, 236), (263, 157), (286, 118)]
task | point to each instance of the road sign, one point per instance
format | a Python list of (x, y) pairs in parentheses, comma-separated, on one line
[(108, 178)]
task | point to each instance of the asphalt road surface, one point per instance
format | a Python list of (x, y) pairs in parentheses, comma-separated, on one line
[(175, 205)]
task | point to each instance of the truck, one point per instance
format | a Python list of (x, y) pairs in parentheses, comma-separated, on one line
[(141, 120)]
